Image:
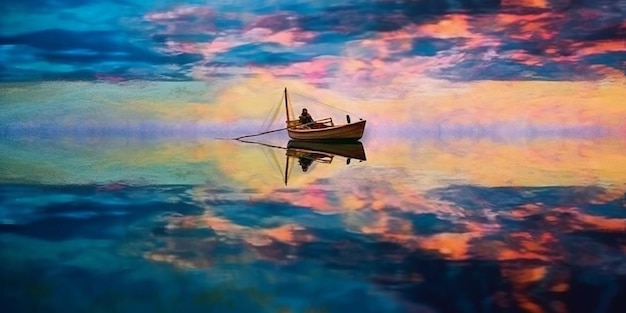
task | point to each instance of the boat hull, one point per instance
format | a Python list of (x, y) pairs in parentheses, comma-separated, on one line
[(347, 132)]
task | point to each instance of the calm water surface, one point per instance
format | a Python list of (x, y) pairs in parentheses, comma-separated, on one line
[(430, 225)]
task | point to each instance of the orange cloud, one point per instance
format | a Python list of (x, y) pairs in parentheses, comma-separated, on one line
[(603, 46), (448, 26), (526, 3)]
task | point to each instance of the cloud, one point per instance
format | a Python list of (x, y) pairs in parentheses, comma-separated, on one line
[(451, 39), (267, 54), (430, 46), (82, 54)]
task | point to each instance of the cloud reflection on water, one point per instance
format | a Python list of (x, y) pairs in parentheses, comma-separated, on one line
[(539, 217), (538, 244)]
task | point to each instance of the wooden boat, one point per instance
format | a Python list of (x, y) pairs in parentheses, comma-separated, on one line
[(324, 129)]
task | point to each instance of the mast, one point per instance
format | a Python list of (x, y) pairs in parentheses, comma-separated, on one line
[(286, 105)]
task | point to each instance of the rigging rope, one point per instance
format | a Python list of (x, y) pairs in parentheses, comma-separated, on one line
[(268, 122), (320, 102)]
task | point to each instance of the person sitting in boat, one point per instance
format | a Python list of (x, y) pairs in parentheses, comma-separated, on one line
[(305, 118)]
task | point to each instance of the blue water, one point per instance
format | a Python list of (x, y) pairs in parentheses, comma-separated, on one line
[(122, 248)]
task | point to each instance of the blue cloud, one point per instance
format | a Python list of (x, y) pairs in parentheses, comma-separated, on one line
[(615, 60), (430, 46), (79, 55), (531, 47), (263, 53), (497, 69)]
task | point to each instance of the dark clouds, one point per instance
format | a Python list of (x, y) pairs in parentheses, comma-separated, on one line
[(85, 52), (267, 54), (65, 46), (468, 39), (430, 46)]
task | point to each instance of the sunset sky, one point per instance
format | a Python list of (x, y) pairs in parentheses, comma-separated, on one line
[(500, 78), (496, 66)]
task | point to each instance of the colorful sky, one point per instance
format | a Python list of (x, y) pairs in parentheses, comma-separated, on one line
[(477, 69), (501, 76), (335, 43)]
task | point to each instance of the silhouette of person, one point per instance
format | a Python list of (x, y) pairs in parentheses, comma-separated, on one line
[(305, 117)]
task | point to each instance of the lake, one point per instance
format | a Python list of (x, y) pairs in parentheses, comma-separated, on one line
[(421, 224)]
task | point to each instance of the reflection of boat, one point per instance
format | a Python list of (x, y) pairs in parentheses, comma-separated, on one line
[(309, 152), (324, 129), (351, 150)]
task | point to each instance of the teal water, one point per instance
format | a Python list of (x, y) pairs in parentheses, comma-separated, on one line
[(374, 235)]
